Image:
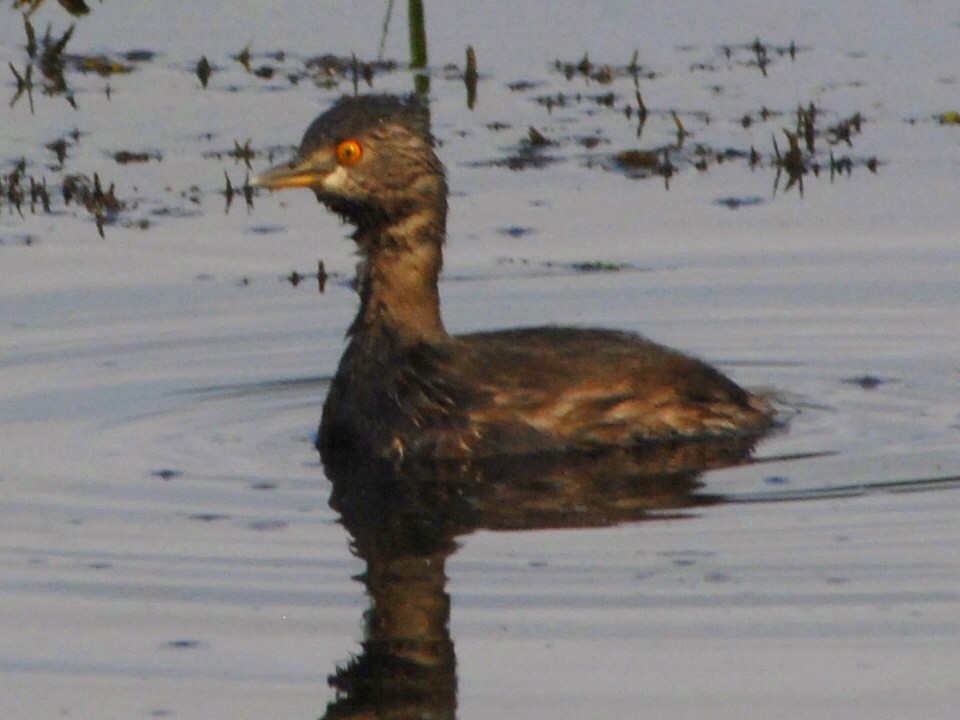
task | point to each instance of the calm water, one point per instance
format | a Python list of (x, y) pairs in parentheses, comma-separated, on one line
[(167, 541)]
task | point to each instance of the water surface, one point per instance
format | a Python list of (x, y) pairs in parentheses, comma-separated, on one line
[(168, 547)]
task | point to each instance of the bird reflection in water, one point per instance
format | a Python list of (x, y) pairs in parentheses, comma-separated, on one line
[(404, 521)]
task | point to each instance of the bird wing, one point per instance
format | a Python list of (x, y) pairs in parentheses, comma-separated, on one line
[(599, 387)]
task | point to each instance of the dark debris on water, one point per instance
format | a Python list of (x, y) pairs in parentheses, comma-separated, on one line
[(102, 204), (869, 382), (803, 148), (230, 191), (321, 276), (804, 142), (18, 191), (77, 8), (48, 53)]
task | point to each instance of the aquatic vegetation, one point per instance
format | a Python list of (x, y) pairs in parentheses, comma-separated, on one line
[(52, 60), (18, 189), (204, 70), (605, 73), (582, 107), (24, 85), (809, 141), (125, 157), (229, 191), (102, 65), (470, 77), (321, 276), (77, 8), (102, 204)]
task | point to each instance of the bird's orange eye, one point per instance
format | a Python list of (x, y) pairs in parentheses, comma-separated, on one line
[(349, 152)]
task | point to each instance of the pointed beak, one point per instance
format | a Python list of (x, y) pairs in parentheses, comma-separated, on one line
[(298, 172)]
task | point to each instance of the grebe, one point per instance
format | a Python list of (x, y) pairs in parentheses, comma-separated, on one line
[(405, 387)]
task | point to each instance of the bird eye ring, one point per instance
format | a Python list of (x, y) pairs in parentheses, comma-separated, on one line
[(349, 152)]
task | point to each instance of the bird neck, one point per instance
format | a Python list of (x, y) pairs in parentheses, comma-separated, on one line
[(398, 274)]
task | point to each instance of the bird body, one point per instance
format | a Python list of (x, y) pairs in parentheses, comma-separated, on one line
[(405, 387)]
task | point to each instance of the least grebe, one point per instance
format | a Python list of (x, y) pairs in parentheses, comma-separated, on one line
[(406, 387)]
